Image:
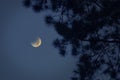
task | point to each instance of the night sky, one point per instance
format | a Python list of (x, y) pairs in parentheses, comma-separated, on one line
[(19, 27)]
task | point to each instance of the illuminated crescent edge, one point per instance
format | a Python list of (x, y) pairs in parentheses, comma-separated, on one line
[(37, 43)]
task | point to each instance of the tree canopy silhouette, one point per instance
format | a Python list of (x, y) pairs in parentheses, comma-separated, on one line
[(92, 28)]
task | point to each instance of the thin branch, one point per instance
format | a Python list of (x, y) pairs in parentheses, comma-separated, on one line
[(101, 40)]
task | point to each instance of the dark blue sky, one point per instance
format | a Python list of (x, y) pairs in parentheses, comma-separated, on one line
[(18, 59)]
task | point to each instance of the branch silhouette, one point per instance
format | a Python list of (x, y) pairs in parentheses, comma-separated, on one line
[(92, 28)]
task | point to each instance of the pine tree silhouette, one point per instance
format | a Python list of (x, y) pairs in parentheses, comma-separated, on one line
[(92, 27)]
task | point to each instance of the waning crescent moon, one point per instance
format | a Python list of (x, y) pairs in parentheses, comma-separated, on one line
[(36, 43)]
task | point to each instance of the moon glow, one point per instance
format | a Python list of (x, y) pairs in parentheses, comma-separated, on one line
[(36, 43)]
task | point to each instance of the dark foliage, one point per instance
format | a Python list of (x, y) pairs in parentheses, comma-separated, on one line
[(27, 3), (92, 28)]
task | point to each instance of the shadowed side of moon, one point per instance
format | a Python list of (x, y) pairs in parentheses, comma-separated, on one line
[(37, 43)]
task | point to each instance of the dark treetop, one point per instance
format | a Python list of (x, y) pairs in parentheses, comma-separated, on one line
[(92, 28)]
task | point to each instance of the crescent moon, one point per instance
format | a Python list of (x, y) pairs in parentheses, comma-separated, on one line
[(36, 43)]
